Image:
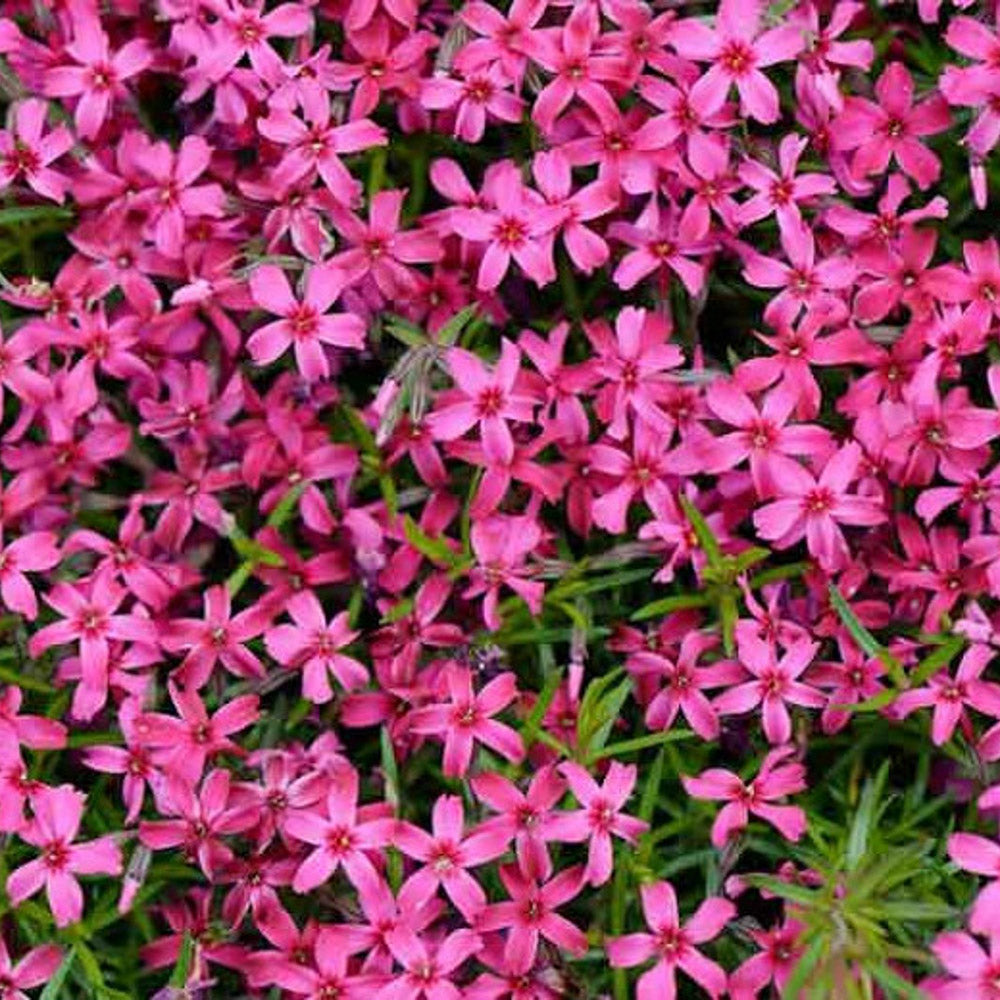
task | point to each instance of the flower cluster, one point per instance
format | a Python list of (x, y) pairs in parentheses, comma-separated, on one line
[(413, 409)]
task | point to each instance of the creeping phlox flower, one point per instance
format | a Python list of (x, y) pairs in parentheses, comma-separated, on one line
[(365, 365)]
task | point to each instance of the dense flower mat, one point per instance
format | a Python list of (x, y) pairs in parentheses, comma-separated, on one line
[(499, 501)]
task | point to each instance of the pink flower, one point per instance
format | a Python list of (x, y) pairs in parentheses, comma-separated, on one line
[(892, 128), (815, 508), (89, 619), (467, 717), (480, 97), (338, 838), (99, 76), (501, 545), (305, 325), (673, 943), (487, 399), (17, 729), (579, 71), (32, 552), (183, 745), (316, 148), (203, 818), (805, 283), (774, 781), (599, 817), (380, 249), (446, 856), (25, 153), (53, 828), (738, 51), (530, 916), (776, 961), (775, 685), (174, 200), (976, 854), (950, 696), (684, 683), (218, 638), (427, 972), (516, 229), (975, 971), (314, 646), (526, 817), (33, 969), (781, 194)]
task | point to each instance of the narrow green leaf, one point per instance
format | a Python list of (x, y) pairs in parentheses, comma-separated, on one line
[(182, 970), (941, 657), (435, 549), (641, 743), (865, 640), (666, 605), (805, 967), (53, 988), (529, 731), (706, 539)]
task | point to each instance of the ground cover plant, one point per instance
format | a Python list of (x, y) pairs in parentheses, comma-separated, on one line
[(499, 501)]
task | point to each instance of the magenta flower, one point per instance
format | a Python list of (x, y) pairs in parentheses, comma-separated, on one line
[(33, 969), (779, 955), (218, 638), (467, 718), (305, 325), (764, 437), (314, 646), (175, 200), (775, 780), (976, 972), (530, 916), (950, 696), (738, 51), (90, 619), (427, 971), (202, 819), (600, 816), (516, 229), (446, 856), (484, 398), (815, 508), (780, 193), (183, 745), (18, 729), (53, 828), (684, 683), (805, 283), (316, 147), (892, 128), (775, 685), (99, 77), (673, 943), (526, 817), (578, 70), (501, 545), (32, 552), (976, 854), (25, 153), (339, 839), (380, 249)]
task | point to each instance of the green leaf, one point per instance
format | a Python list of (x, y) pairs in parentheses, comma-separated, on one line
[(665, 605), (642, 743), (33, 213), (865, 817), (865, 640), (390, 769), (529, 731), (706, 539), (894, 984), (941, 657), (805, 967), (452, 330), (182, 970), (53, 989), (435, 549)]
